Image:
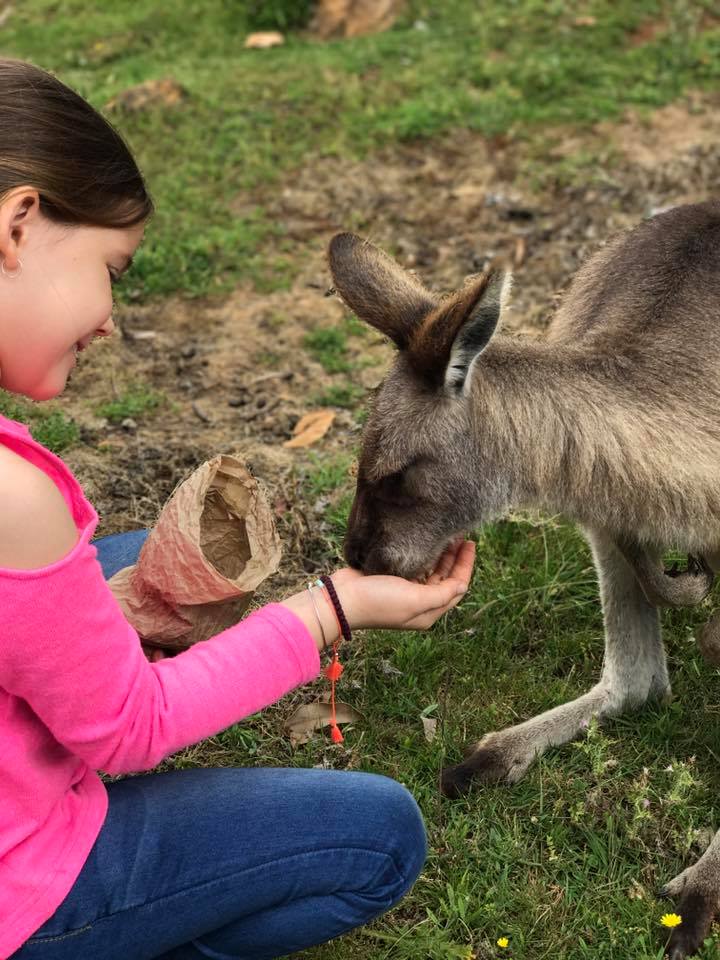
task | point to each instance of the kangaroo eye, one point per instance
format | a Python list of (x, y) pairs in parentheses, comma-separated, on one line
[(391, 490)]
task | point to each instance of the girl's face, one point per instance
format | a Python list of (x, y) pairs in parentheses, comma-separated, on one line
[(60, 300)]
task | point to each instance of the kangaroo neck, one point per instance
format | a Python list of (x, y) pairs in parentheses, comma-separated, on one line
[(548, 417)]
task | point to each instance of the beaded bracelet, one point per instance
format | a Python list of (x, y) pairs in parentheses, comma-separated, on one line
[(331, 605), (342, 619)]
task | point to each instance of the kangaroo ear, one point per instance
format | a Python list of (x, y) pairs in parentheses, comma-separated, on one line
[(377, 288), (446, 345)]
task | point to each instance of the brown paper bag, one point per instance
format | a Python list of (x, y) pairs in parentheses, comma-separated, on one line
[(213, 544)]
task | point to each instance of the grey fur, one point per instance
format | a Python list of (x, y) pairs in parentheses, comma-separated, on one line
[(613, 420)]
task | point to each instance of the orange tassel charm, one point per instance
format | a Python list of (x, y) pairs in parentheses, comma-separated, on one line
[(334, 669)]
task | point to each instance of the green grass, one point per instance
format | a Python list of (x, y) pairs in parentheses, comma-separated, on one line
[(250, 117), (327, 476), (135, 402), (339, 395), (328, 346), (49, 426)]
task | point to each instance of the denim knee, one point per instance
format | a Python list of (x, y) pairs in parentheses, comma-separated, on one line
[(403, 829)]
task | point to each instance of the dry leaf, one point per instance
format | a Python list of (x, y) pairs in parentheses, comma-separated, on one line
[(585, 21), (261, 41), (469, 191), (430, 728), (314, 716), (311, 428), (166, 92), (353, 18)]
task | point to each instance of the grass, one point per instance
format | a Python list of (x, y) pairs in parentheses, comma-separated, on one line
[(49, 426), (249, 117), (566, 863), (328, 346), (339, 395), (135, 402)]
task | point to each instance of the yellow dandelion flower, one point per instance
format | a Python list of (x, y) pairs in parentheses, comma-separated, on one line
[(503, 942), (671, 920)]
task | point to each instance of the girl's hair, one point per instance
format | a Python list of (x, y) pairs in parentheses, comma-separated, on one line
[(53, 140)]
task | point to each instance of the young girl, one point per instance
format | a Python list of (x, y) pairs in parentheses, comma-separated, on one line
[(189, 864)]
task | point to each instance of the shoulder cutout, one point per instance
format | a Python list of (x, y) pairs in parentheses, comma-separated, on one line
[(36, 526)]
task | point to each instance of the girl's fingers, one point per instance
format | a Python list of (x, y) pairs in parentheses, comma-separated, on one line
[(446, 562), (429, 617), (438, 596), (464, 563)]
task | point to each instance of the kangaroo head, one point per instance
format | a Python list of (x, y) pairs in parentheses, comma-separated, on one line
[(419, 478)]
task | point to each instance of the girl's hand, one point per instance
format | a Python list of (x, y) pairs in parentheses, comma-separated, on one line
[(397, 604), (390, 602)]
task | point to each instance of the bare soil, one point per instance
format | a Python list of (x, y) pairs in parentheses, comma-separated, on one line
[(235, 372)]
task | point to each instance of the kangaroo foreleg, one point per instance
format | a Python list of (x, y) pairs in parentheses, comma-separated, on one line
[(668, 588), (634, 670)]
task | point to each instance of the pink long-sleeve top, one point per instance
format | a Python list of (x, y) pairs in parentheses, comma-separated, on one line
[(77, 695)]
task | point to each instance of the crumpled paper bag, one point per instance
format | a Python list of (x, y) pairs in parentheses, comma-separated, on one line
[(213, 544)]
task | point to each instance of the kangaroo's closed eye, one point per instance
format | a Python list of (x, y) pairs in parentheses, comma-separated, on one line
[(391, 489)]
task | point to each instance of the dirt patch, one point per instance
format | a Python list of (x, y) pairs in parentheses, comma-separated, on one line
[(648, 31), (667, 135), (236, 373)]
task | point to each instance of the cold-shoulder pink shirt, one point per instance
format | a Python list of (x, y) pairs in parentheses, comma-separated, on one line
[(77, 695)]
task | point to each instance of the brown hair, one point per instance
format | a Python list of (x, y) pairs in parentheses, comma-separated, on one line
[(53, 140)]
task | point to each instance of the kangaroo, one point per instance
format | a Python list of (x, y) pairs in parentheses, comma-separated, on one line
[(470, 423)]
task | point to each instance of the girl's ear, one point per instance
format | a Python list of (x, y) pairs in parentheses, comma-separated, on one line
[(18, 210)]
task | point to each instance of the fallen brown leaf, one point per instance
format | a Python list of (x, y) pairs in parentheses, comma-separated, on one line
[(310, 428), (353, 18), (151, 93), (315, 716), (261, 41)]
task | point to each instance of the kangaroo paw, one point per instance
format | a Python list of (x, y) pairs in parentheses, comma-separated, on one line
[(697, 911), (696, 892), (709, 641), (489, 761)]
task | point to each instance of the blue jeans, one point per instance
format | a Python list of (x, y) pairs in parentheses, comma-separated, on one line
[(233, 863)]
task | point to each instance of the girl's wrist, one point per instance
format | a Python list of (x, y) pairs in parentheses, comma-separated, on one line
[(318, 617), (351, 601)]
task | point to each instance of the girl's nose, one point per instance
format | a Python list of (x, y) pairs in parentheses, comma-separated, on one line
[(107, 328)]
